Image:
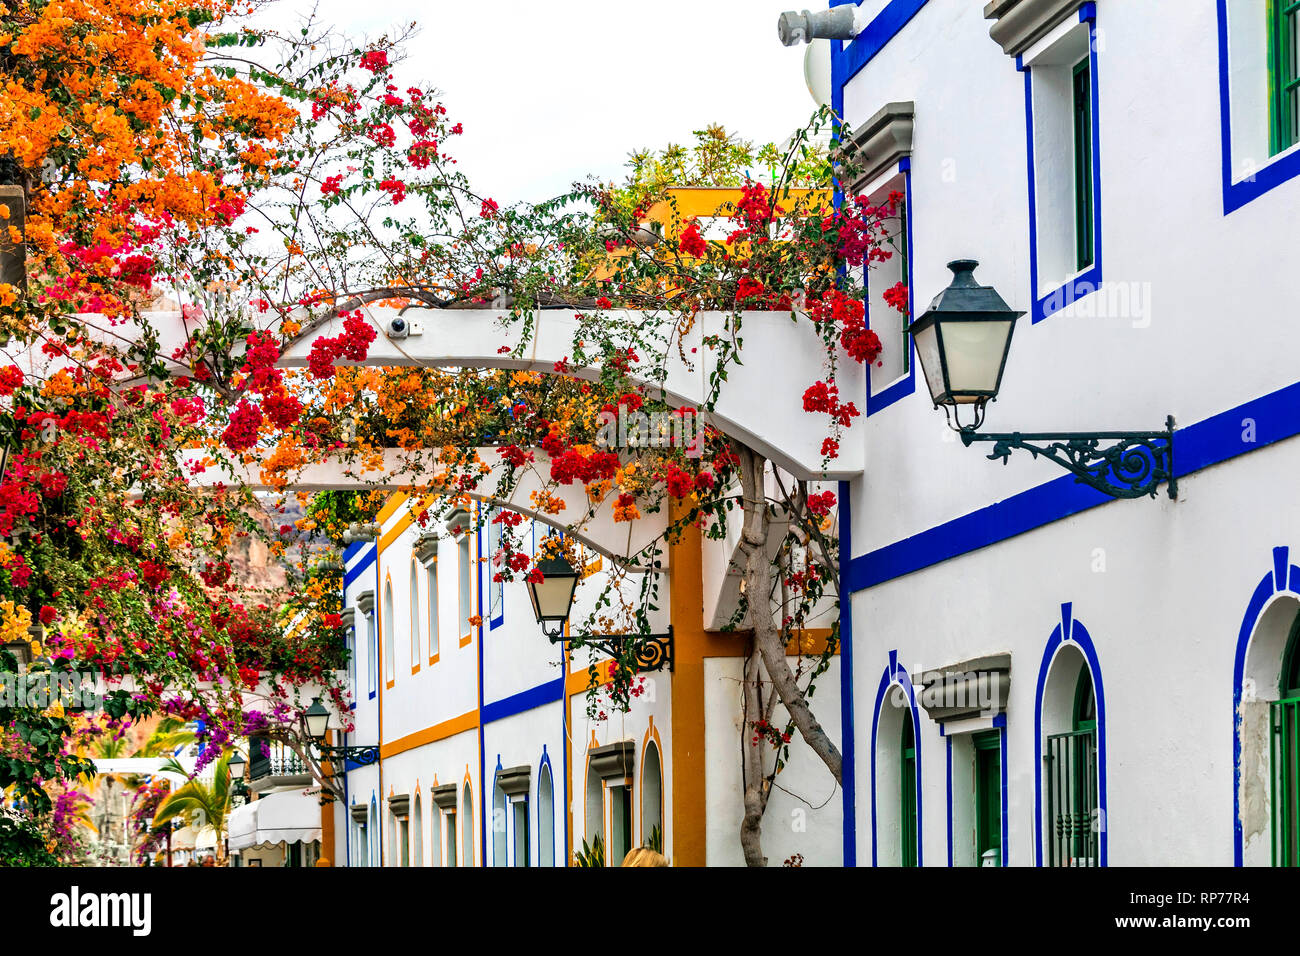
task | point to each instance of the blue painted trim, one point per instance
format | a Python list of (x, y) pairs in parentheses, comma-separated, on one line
[(1070, 631), (949, 797), (886, 25), (1088, 281), (550, 775), (896, 674), (352, 550), (359, 569), (1275, 582), (482, 756), (1214, 440), (496, 589), (1277, 172), (1006, 830), (525, 700), (906, 384), (848, 766)]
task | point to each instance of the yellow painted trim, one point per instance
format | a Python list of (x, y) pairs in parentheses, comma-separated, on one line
[(434, 659), (385, 598), (473, 843), (448, 728), (395, 501), (705, 202)]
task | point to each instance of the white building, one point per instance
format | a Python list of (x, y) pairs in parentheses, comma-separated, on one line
[(1123, 171)]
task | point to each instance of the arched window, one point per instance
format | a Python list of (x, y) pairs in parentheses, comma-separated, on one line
[(907, 791), (467, 827), (1286, 756), (390, 667), (415, 618), (894, 797), (1070, 786), (545, 817), (417, 833), (376, 845), (652, 799), (500, 854)]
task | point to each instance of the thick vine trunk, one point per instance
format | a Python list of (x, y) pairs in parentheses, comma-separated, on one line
[(767, 637), (756, 789)]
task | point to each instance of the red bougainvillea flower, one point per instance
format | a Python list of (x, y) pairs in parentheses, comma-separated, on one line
[(11, 377), (488, 209), (692, 243), (395, 188), (48, 614), (374, 61)]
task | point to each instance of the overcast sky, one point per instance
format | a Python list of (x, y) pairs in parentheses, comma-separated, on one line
[(550, 91)]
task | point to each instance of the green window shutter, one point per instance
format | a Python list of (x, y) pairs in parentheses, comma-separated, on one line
[(988, 794), (1284, 121), (1083, 211), (908, 794), (1284, 717)]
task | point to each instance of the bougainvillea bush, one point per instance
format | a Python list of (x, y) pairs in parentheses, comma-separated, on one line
[(185, 176)]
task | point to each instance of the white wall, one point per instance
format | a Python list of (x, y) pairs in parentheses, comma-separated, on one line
[(1192, 321)]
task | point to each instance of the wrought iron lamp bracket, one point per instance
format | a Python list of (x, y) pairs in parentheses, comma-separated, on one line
[(1118, 464), (653, 651), (365, 756)]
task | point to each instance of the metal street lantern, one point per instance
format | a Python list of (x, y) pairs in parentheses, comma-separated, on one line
[(552, 596), (552, 599), (317, 719), (236, 765), (962, 340)]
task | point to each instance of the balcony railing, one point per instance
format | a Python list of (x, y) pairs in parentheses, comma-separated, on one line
[(1072, 799), (280, 762)]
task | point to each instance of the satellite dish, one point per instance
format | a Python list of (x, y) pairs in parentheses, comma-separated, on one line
[(817, 71)]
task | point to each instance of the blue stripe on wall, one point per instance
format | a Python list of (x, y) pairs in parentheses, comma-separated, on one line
[(1253, 425), (359, 569), (549, 693), (847, 774)]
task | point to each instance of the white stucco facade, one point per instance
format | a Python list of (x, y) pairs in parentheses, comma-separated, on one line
[(956, 558)]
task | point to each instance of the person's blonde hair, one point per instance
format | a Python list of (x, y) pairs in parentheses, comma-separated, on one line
[(644, 856)]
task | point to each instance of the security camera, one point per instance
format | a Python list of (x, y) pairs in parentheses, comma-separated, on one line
[(398, 328), (837, 23)]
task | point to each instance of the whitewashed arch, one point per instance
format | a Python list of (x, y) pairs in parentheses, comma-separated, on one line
[(760, 403)]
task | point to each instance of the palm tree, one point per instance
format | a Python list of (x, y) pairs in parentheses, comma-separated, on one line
[(200, 804)]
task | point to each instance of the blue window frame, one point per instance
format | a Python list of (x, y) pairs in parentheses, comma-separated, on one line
[(496, 589), (905, 384), (1085, 169), (1243, 180)]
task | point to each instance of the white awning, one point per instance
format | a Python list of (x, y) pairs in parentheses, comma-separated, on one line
[(289, 817), (243, 826)]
